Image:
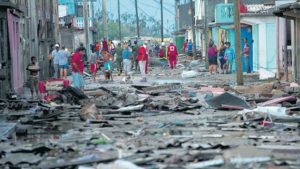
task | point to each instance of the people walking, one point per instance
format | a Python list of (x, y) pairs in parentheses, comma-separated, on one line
[(135, 62), (94, 59), (126, 55), (163, 55), (119, 59), (229, 57), (212, 53), (98, 48), (184, 46), (63, 62), (33, 80), (55, 58), (172, 55), (142, 58), (246, 52), (108, 66), (78, 67), (105, 45)]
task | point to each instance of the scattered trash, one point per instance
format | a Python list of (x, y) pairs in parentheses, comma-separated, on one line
[(119, 164), (189, 74), (159, 124)]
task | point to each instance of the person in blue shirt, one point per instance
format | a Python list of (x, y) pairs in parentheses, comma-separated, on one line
[(190, 48), (108, 70), (126, 55), (229, 57), (63, 62)]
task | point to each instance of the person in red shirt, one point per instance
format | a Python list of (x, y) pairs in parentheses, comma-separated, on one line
[(98, 48), (142, 58), (172, 55), (105, 45), (78, 68)]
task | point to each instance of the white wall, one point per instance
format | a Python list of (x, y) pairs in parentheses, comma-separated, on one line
[(62, 10), (261, 21)]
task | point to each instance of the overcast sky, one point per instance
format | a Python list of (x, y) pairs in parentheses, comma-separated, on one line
[(148, 7)]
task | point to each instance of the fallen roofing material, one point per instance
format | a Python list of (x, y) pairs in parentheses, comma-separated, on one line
[(227, 99), (6, 129), (278, 100)]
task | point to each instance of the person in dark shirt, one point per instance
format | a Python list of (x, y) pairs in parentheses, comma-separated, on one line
[(33, 80)]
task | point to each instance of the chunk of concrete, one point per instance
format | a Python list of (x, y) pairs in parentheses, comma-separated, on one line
[(90, 112)]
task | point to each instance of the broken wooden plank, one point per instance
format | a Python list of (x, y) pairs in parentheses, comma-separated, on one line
[(278, 100), (231, 107), (128, 109), (206, 164), (247, 160)]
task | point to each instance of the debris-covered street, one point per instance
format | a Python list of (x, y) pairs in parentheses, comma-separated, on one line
[(203, 121), (156, 84)]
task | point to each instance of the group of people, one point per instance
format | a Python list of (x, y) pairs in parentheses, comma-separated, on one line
[(135, 56), (60, 59), (224, 56), (187, 47), (127, 56)]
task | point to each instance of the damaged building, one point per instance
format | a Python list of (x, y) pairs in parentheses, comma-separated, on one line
[(28, 28)]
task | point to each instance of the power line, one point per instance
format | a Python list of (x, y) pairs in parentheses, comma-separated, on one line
[(148, 14), (171, 12)]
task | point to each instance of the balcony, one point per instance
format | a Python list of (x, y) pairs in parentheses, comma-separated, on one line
[(224, 13), (79, 22)]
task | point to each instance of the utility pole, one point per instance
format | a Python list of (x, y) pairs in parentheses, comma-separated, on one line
[(137, 19), (86, 25), (193, 29), (119, 20), (177, 15), (104, 19), (204, 53), (239, 71), (162, 21)]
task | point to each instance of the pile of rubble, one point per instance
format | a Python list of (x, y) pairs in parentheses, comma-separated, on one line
[(178, 125)]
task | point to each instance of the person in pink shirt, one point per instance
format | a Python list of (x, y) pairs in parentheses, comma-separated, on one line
[(212, 58)]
